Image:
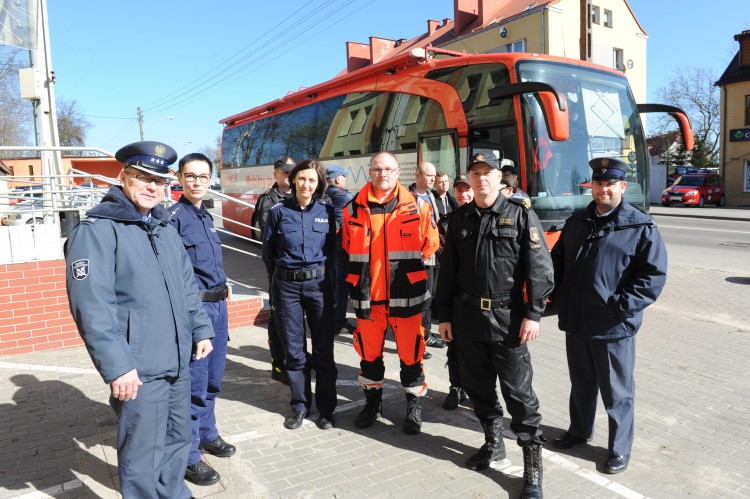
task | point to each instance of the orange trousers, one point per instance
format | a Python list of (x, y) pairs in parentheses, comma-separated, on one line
[(369, 339)]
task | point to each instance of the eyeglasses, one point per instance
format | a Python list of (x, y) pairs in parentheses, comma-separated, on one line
[(146, 179), (382, 172), (191, 177)]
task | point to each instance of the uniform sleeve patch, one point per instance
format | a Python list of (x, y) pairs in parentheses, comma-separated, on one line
[(80, 269), (534, 234)]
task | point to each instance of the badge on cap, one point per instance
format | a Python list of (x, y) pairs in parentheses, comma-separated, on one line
[(160, 150), (80, 269)]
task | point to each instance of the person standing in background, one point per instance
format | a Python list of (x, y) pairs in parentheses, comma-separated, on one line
[(340, 197), (456, 394), (281, 190), (422, 188)]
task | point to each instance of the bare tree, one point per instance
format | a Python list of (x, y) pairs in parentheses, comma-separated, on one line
[(16, 118), (71, 123), (692, 89)]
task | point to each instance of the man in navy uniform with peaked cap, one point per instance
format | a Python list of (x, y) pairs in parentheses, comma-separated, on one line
[(134, 298), (610, 264)]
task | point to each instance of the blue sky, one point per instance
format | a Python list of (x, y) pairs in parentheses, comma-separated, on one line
[(189, 63)]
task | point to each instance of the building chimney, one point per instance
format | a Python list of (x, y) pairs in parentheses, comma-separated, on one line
[(744, 39), (465, 12), (357, 56), (432, 26), (486, 9), (379, 48)]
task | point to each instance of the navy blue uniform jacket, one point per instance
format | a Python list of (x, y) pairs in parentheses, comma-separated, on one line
[(132, 291), (297, 239), (606, 277)]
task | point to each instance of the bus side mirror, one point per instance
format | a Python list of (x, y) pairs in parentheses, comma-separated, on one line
[(688, 139), (556, 114), (554, 105)]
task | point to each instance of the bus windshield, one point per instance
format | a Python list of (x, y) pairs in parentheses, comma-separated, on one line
[(604, 121)]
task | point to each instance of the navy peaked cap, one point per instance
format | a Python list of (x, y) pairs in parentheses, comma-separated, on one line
[(148, 156), (608, 169)]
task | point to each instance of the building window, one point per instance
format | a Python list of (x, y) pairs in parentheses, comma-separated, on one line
[(519, 46), (747, 110), (595, 15), (608, 18), (617, 62)]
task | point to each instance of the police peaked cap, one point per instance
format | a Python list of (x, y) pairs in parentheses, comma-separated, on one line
[(148, 156), (608, 169)]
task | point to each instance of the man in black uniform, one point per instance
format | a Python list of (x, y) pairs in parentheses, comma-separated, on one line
[(493, 247), (279, 191)]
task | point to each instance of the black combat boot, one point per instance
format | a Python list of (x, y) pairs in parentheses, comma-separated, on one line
[(493, 448), (532, 472), (373, 408), (413, 420)]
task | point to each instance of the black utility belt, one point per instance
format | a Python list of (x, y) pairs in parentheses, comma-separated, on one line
[(485, 303), (299, 275), (216, 294)]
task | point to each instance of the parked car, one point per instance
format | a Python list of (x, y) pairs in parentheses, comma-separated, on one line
[(25, 212), (85, 196), (679, 171), (695, 189), (20, 194), (176, 191)]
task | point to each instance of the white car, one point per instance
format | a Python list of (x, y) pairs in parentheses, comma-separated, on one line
[(25, 212)]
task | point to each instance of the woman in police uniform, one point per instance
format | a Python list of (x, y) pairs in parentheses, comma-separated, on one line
[(298, 248)]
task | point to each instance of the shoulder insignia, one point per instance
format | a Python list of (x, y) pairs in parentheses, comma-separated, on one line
[(534, 234), (521, 201), (80, 269)]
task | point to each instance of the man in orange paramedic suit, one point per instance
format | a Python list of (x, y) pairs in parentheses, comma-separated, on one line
[(388, 232)]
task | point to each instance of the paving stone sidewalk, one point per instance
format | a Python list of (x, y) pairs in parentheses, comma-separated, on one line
[(693, 397)]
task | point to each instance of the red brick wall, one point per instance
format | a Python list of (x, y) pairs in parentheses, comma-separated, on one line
[(34, 312)]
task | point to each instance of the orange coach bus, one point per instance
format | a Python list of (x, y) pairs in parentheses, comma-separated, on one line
[(549, 115)]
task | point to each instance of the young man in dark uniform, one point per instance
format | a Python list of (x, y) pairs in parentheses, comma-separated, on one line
[(611, 258), (196, 228), (280, 191), (134, 298), (494, 246)]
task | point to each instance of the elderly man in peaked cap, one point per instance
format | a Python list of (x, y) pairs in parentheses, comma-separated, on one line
[(136, 303), (610, 264)]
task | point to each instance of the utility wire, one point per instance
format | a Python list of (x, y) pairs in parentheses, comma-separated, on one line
[(215, 73), (272, 50)]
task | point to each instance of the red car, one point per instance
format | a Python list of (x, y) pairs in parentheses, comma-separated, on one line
[(695, 189), (175, 191)]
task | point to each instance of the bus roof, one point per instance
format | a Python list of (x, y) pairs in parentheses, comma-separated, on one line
[(416, 62)]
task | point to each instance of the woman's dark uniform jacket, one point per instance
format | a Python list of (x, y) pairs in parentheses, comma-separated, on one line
[(118, 267)]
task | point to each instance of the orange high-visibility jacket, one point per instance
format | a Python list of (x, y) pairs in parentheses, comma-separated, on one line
[(387, 244)]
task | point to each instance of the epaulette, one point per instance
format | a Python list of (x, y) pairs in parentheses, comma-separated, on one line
[(521, 201)]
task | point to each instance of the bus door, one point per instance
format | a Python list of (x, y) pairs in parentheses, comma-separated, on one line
[(501, 140), (441, 149)]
